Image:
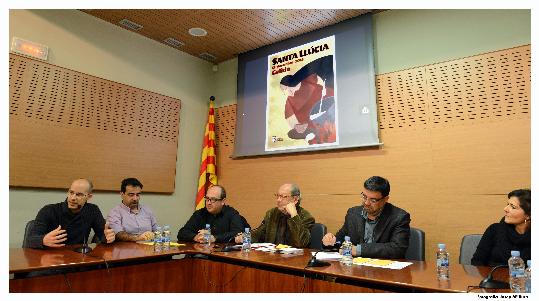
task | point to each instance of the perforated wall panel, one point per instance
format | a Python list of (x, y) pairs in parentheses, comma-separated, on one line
[(487, 86), (225, 125), (402, 99), (133, 129), (75, 99), (492, 85)]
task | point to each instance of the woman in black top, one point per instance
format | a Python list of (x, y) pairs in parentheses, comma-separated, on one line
[(513, 232)]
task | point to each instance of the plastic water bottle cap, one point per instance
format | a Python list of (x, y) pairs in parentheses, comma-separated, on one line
[(441, 246), (247, 230), (515, 253), (347, 238), (529, 263)]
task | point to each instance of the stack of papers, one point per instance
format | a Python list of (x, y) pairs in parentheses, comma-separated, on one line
[(269, 247), (290, 250), (262, 245), (328, 255)]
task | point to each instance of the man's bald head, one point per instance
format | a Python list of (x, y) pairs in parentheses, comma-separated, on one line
[(88, 184)]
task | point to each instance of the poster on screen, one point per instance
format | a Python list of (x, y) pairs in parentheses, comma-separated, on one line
[(301, 107)]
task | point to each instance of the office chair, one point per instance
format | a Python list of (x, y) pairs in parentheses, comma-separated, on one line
[(468, 245), (416, 245), (93, 238), (27, 230), (317, 233)]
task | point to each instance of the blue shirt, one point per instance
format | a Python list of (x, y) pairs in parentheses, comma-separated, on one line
[(369, 230)]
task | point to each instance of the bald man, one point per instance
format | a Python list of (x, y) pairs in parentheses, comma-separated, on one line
[(69, 222), (288, 223)]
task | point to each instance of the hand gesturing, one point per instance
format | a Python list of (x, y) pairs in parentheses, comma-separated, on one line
[(55, 238)]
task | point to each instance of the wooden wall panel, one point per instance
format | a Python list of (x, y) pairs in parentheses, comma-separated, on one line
[(65, 125), (456, 140)]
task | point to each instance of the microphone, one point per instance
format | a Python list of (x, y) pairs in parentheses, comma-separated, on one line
[(228, 248), (314, 262), (84, 248), (488, 282)]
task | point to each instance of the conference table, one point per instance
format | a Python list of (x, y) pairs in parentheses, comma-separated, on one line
[(192, 267)]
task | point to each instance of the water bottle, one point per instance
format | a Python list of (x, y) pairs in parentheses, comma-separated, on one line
[(442, 262), (157, 240), (246, 246), (207, 235), (166, 238), (347, 252), (516, 272), (528, 274)]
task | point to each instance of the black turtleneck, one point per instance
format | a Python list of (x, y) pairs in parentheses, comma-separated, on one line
[(224, 225), (497, 243), (77, 225)]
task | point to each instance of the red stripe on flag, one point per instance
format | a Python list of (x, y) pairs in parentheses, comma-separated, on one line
[(208, 165)]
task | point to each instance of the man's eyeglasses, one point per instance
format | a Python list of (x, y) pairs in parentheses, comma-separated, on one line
[(77, 194), (372, 200), (280, 196), (211, 200)]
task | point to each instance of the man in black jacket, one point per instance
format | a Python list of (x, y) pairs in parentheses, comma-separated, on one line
[(376, 228), (225, 221), (69, 222)]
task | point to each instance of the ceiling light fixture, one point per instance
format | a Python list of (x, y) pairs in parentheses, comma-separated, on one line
[(197, 32)]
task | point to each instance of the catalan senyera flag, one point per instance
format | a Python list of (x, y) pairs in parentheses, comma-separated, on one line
[(208, 169)]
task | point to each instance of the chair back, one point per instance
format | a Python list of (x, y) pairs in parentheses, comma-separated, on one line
[(93, 238), (317, 233), (468, 245), (416, 245), (27, 230)]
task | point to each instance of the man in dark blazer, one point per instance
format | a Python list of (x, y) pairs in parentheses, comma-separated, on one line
[(376, 228)]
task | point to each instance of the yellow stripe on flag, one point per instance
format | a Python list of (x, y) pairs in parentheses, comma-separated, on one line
[(208, 160)]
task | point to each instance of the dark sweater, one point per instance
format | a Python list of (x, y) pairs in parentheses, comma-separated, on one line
[(497, 243), (77, 225), (224, 226)]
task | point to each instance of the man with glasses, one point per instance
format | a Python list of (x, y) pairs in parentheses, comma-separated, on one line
[(225, 221), (69, 222), (376, 228), (288, 223), (130, 220)]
